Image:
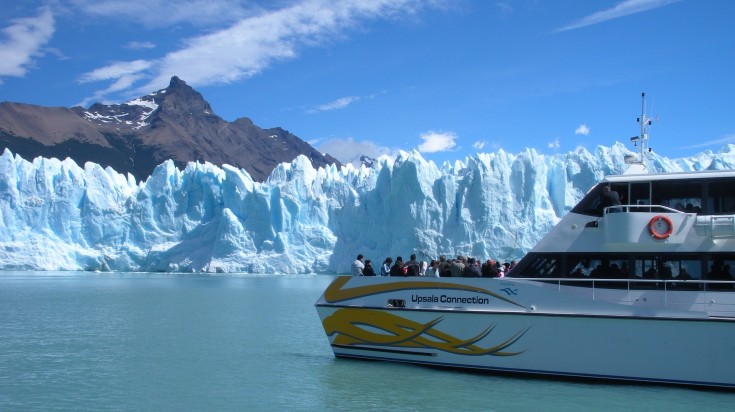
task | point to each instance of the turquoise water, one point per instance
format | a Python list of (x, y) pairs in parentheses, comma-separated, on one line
[(160, 342)]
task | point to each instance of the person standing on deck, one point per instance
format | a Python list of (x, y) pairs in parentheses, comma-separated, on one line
[(368, 270), (610, 197), (385, 268), (357, 266)]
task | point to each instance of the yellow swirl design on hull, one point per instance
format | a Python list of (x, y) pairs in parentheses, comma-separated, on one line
[(381, 328)]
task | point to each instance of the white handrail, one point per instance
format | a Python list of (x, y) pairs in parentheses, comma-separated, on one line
[(669, 285), (627, 209)]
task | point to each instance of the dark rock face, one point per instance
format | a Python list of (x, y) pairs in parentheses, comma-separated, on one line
[(368, 161), (134, 137)]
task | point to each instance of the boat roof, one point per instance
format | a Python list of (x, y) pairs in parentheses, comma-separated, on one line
[(706, 174)]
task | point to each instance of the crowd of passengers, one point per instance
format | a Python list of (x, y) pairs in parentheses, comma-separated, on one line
[(442, 267)]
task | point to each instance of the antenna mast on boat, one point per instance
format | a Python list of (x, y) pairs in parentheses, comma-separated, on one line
[(642, 140)]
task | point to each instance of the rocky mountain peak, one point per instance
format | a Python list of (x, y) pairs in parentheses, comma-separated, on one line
[(367, 161), (179, 98), (136, 136)]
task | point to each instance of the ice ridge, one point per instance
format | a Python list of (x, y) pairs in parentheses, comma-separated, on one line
[(57, 215)]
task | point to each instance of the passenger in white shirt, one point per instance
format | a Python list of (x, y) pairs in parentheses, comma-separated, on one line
[(357, 266), (385, 269), (433, 270)]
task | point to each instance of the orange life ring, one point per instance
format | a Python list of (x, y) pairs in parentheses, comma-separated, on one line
[(655, 222)]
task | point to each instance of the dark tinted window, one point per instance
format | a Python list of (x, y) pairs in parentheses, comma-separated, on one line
[(701, 196), (590, 203), (720, 197), (651, 266), (685, 196)]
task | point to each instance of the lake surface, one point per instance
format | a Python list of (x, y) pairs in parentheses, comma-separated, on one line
[(177, 342)]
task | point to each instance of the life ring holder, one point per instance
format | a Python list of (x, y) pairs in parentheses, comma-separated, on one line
[(655, 221)]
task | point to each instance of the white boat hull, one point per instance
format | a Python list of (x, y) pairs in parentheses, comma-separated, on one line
[(530, 327)]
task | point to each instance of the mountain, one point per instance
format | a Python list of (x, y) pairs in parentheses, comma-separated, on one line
[(56, 215), (367, 161), (173, 123)]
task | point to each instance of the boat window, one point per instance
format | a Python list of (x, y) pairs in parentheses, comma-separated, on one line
[(644, 268), (688, 269), (583, 267), (590, 204), (668, 267), (652, 266), (538, 265), (721, 197), (640, 194), (710, 197), (656, 267), (396, 303), (719, 268), (685, 196), (607, 266)]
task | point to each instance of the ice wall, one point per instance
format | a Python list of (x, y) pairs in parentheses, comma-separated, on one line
[(58, 216)]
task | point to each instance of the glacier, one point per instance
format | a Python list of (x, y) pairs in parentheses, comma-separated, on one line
[(58, 216)]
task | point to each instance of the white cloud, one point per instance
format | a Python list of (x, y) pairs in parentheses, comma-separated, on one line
[(123, 74), (624, 8), (116, 71), (139, 45), (582, 129), (258, 40), (23, 40), (340, 103), (164, 13), (554, 145), (121, 83), (727, 139), (349, 151), (479, 145), (437, 142)]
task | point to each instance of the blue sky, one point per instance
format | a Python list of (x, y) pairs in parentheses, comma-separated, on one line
[(449, 78)]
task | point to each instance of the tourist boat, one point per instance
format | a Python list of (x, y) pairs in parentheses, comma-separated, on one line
[(637, 292)]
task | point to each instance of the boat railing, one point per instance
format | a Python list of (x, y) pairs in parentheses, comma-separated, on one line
[(637, 284), (630, 291), (715, 226), (640, 209), (719, 226)]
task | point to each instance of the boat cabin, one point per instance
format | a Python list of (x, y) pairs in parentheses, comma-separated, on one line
[(707, 199), (707, 193)]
